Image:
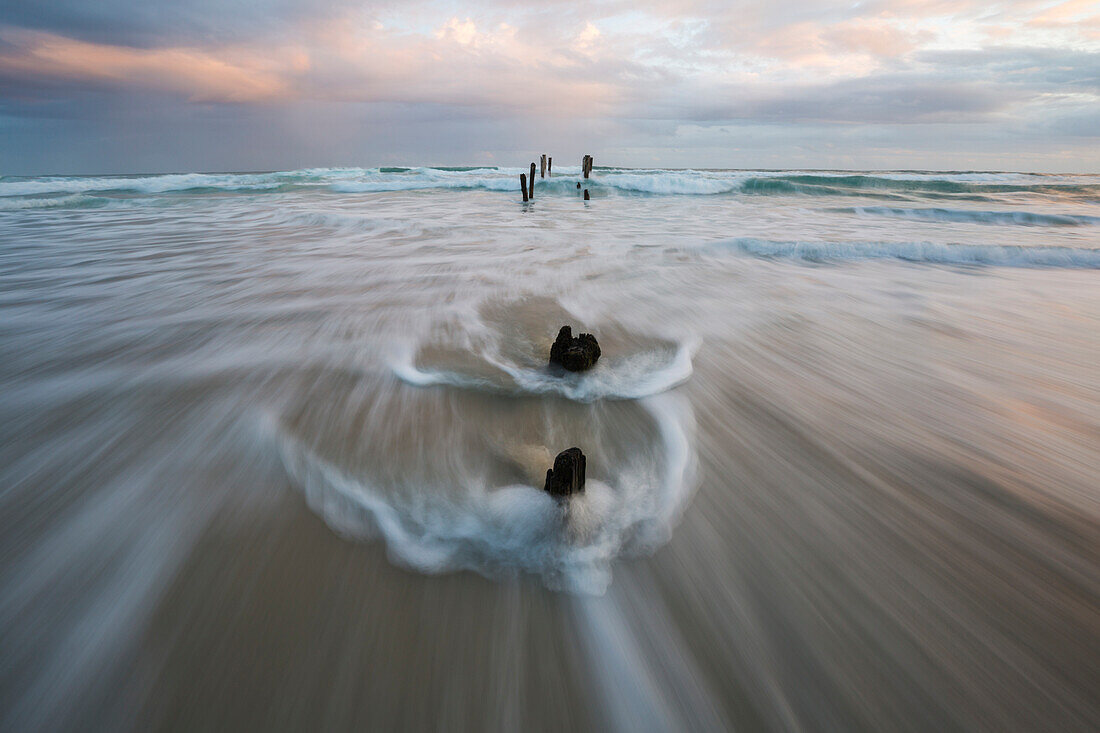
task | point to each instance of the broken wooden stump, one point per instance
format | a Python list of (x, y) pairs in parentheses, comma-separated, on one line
[(586, 165), (523, 185), (586, 194), (531, 183), (574, 354), (550, 167), (567, 475), (542, 166)]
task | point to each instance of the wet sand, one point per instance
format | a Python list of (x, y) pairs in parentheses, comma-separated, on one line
[(890, 519)]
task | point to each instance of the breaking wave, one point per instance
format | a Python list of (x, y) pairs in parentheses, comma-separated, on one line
[(923, 252), (1019, 218), (625, 181), (72, 201)]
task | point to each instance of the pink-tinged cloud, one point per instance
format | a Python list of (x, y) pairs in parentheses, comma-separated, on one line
[(876, 37), (460, 64), (204, 75)]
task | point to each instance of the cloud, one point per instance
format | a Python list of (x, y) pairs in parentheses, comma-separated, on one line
[(224, 75), (607, 67)]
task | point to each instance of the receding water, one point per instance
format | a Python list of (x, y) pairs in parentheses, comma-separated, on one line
[(272, 448)]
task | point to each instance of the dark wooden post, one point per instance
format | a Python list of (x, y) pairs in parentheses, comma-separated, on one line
[(542, 166), (531, 182), (586, 194), (550, 167), (584, 166), (523, 185)]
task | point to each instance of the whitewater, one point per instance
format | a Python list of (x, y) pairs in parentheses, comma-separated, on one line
[(272, 447)]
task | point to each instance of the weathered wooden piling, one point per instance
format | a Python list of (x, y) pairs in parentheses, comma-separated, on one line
[(550, 167), (567, 476), (523, 185), (574, 354), (531, 183), (584, 166), (586, 194), (542, 166), (578, 185)]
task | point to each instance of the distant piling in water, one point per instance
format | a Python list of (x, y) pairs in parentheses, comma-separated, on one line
[(546, 170)]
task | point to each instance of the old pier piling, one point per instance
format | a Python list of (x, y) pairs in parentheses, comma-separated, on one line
[(531, 183), (567, 475), (550, 167), (574, 354), (586, 197), (523, 185), (542, 166)]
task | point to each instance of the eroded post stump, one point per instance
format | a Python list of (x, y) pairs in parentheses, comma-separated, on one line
[(567, 476), (574, 354)]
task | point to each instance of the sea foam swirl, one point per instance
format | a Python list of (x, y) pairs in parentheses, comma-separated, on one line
[(500, 531), (630, 376)]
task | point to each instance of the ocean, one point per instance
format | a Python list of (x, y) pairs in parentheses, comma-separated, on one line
[(272, 448)]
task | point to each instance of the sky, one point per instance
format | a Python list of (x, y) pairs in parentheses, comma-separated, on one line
[(145, 86)]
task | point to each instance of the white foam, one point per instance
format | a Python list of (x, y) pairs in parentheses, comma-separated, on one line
[(54, 202), (501, 531), (633, 376), (140, 184), (685, 182)]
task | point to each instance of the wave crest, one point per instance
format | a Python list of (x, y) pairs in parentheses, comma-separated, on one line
[(1018, 218), (923, 252)]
